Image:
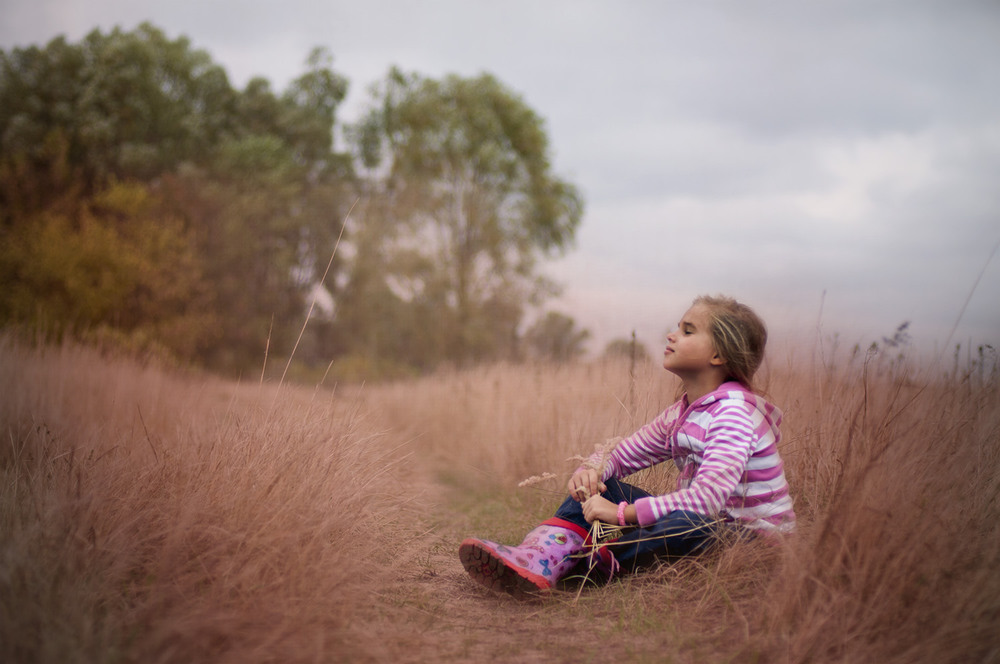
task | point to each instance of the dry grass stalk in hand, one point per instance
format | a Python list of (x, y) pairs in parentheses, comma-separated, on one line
[(598, 460), (536, 479)]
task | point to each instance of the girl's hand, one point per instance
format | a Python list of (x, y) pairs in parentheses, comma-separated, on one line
[(585, 483), (599, 508)]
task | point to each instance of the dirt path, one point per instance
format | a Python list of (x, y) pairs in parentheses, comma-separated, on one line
[(432, 610)]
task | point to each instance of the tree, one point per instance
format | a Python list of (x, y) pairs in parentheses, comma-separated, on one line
[(248, 180), (267, 209), (461, 166), (128, 104), (555, 337), (312, 100), (117, 261), (629, 349), (245, 198)]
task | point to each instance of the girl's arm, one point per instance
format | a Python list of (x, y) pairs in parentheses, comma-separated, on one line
[(728, 446), (646, 447)]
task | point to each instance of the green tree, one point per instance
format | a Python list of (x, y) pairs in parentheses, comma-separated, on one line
[(129, 104), (469, 202), (267, 211), (266, 231), (629, 349), (249, 180), (555, 337), (119, 261)]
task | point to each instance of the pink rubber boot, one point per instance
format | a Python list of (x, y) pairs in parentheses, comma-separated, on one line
[(529, 569)]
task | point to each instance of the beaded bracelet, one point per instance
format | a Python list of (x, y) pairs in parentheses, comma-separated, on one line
[(621, 512)]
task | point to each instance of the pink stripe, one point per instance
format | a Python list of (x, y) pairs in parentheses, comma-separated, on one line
[(766, 451), (694, 430), (761, 475), (631, 457)]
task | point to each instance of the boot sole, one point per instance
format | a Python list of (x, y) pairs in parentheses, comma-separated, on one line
[(487, 567)]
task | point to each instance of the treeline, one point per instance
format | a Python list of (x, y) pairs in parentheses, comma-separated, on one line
[(146, 202)]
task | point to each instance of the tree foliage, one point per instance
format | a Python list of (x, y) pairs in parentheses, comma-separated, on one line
[(142, 194), (246, 180), (555, 337), (119, 259), (127, 104), (630, 349), (467, 196)]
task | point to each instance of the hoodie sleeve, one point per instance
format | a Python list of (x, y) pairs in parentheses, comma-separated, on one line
[(729, 440), (646, 447)]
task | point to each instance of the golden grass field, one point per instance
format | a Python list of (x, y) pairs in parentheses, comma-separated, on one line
[(152, 515)]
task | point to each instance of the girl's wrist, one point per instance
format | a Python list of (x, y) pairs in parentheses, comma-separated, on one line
[(621, 513)]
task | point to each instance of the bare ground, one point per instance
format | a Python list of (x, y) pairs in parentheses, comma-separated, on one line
[(430, 610)]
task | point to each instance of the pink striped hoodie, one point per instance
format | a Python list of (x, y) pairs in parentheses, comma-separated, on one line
[(725, 445)]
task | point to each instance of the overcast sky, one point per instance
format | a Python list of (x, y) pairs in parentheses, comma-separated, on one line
[(835, 164)]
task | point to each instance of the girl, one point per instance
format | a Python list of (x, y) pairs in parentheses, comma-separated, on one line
[(723, 439)]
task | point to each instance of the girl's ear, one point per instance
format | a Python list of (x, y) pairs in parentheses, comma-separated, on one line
[(717, 360)]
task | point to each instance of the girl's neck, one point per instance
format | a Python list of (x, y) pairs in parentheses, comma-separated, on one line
[(701, 384)]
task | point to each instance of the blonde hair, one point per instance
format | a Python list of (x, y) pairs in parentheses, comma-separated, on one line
[(739, 336)]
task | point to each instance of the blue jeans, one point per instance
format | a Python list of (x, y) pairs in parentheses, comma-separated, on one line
[(677, 534)]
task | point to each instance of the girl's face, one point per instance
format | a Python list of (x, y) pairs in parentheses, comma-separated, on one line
[(689, 348)]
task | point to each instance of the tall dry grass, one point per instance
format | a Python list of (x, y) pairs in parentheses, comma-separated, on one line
[(500, 424), (898, 472), (151, 516), (895, 469)]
